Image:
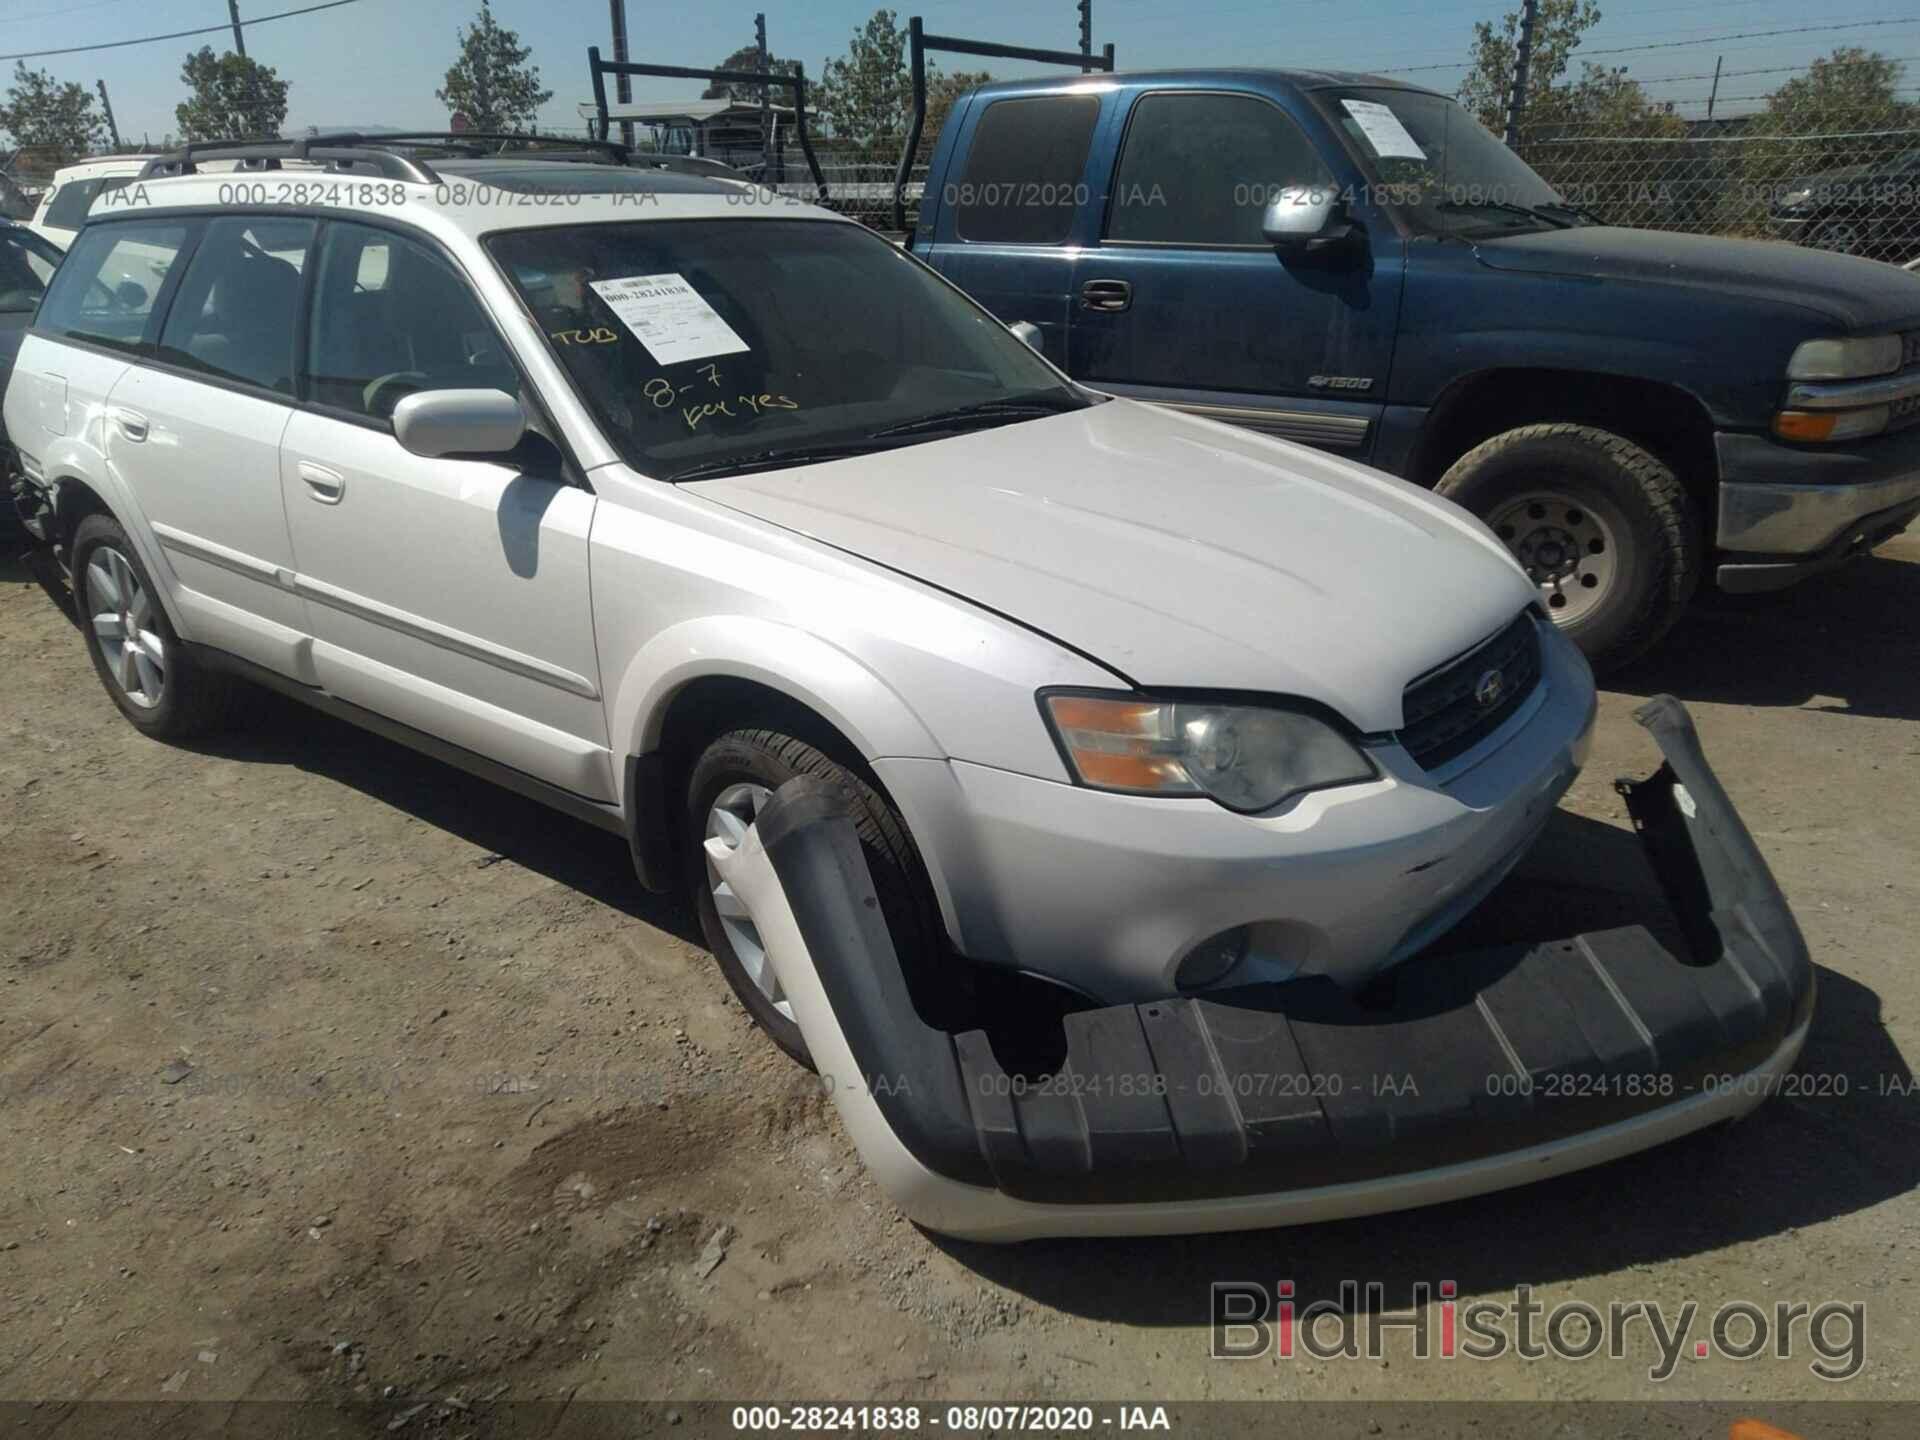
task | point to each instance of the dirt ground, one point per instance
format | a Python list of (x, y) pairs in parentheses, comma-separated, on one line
[(330, 1073)]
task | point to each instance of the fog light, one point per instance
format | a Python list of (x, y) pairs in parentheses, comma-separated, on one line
[(1209, 962)]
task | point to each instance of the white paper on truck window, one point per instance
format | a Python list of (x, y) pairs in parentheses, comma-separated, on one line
[(1384, 131), (669, 317)]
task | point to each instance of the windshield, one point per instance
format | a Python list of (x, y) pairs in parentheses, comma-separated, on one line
[(1437, 167), (706, 346)]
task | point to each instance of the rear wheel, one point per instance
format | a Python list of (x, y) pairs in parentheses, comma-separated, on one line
[(134, 650), (731, 782), (1598, 523)]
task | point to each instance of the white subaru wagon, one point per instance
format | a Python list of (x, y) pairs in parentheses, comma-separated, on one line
[(644, 493)]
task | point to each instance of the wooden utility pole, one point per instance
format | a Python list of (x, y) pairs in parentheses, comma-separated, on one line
[(1714, 94), (1523, 53), (107, 105), (239, 40)]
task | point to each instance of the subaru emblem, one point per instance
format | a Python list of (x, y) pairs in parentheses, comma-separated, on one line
[(1488, 689)]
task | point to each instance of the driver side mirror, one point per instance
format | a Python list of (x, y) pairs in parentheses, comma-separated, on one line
[(436, 423), (1306, 219), (1027, 333)]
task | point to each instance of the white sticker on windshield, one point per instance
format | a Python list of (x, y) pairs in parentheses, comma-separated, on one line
[(669, 317), (1384, 131)]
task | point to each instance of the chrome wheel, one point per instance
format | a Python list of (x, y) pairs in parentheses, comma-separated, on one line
[(122, 617), (1569, 549), (733, 812)]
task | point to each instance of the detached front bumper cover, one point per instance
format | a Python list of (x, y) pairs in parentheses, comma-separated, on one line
[(1284, 1104)]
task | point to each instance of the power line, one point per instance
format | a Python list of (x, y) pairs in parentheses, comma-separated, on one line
[(1584, 54), (177, 34)]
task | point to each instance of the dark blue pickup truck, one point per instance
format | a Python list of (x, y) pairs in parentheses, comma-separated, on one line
[(1359, 265)]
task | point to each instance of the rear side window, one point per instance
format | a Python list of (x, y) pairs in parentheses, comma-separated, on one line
[(1023, 176), (235, 314), (68, 208), (105, 289), (391, 317), (1200, 169), (27, 263)]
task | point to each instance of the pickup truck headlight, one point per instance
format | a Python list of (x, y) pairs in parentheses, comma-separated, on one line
[(1247, 757), (1846, 359)]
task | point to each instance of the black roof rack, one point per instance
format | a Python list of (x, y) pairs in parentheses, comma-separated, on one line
[(479, 143), (796, 82), (266, 152), (919, 42)]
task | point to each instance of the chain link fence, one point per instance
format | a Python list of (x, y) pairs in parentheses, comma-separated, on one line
[(1846, 181)]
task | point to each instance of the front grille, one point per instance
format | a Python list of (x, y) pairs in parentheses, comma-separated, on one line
[(1448, 711)]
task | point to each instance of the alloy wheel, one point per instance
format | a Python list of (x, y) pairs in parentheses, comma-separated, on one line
[(120, 612), (733, 812)]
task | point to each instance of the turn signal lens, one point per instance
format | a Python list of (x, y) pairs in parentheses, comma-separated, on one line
[(1758, 1430), (1818, 425)]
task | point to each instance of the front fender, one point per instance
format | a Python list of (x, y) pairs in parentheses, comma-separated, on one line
[(795, 662)]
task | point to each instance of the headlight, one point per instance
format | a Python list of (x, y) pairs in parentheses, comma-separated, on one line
[(1247, 757), (1845, 359), (1795, 197)]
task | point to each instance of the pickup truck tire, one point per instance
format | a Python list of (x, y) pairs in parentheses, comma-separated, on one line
[(151, 677), (1601, 525), (736, 774)]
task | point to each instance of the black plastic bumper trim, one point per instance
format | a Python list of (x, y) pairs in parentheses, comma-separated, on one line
[(1293, 1087)]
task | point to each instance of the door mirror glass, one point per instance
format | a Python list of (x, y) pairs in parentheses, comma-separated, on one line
[(1027, 333), (435, 423), (1305, 217)]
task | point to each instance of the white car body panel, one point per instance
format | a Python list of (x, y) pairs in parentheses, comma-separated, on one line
[(916, 601), (1182, 552)]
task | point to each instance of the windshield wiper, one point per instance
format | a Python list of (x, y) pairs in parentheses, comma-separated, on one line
[(775, 459), (1006, 407), (1578, 211), (1505, 208)]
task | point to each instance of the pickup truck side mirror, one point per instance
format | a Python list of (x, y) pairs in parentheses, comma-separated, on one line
[(1306, 219), (434, 423)]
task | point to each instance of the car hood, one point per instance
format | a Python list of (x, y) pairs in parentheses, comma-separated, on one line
[(1861, 294), (1176, 551)]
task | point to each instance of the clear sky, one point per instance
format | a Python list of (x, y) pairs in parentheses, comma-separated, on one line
[(378, 62)]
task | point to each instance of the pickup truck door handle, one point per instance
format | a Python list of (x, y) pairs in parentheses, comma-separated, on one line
[(132, 424), (326, 486), (1106, 294)]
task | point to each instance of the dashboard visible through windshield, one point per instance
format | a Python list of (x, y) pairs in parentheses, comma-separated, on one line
[(709, 347)]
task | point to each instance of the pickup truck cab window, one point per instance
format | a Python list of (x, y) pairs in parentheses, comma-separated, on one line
[(1198, 168), (104, 293), (239, 302), (1022, 184), (1440, 170), (705, 346)]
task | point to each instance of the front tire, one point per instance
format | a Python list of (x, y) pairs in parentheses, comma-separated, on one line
[(1598, 523), (135, 652), (733, 778)]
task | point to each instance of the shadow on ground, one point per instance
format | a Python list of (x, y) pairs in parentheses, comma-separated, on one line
[(1848, 642), (567, 851)]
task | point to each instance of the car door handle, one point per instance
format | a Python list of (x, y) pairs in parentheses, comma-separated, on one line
[(1106, 294), (132, 424), (326, 486)]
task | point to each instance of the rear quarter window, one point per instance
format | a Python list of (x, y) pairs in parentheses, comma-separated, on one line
[(1025, 167), (105, 290)]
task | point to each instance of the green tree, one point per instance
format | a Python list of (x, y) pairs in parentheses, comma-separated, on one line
[(747, 57), (866, 97), (1845, 111), (53, 122), (234, 96), (491, 82)]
